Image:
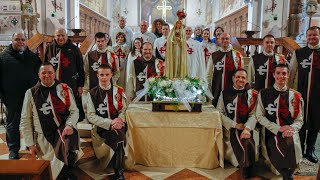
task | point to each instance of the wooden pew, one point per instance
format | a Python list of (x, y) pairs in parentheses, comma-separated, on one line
[(25, 169)]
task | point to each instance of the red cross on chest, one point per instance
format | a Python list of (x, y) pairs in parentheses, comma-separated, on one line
[(207, 54), (190, 50), (163, 48), (120, 54)]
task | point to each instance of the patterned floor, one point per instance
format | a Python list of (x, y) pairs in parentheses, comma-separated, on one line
[(87, 168)]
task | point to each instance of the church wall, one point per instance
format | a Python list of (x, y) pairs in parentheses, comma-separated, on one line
[(276, 22), (52, 16), (10, 17)]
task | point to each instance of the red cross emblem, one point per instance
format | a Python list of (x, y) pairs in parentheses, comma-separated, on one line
[(163, 48), (207, 54), (120, 54), (190, 51)]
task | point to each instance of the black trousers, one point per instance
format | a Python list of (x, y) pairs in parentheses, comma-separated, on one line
[(80, 107), (309, 138), (12, 127)]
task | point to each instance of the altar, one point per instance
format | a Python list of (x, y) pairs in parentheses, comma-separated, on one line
[(174, 139)]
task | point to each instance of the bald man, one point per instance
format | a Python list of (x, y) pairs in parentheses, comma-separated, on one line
[(18, 72), (146, 35), (196, 62), (222, 65), (68, 63), (122, 28)]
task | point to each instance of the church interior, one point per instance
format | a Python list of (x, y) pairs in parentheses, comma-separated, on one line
[(247, 21)]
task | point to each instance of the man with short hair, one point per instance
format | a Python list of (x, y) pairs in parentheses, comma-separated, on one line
[(122, 28), (68, 63), (261, 66), (280, 112), (48, 121), (222, 65), (195, 55), (146, 35), (305, 75), (142, 69), (161, 43), (237, 106), (106, 111), (103, 54), (18, 72), (93, 59)]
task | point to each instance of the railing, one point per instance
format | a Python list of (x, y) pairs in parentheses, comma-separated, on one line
[(39, 42), (251, 46)]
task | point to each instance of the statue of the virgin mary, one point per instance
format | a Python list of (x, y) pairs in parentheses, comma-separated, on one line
[(176, 52)]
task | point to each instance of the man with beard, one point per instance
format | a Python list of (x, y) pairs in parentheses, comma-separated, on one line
[(261, 66), (18, 69), (305, 74), (280, 112), (68, 63), (106, 111), (142, 69), (220, 69), (48, 120), (237, 106)]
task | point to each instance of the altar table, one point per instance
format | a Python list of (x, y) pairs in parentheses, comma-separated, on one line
[(174, 139)]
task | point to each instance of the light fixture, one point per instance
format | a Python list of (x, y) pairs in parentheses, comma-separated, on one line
[(311, 9)]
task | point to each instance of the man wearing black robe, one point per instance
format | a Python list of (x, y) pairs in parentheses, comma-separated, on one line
[(304, 77), (280, 112), (68, 63), (237, 106)]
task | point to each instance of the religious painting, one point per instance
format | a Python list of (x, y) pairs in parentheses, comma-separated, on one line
[(229, 6), (161, 9), (99, 6)]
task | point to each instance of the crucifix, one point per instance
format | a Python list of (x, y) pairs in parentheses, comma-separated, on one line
[(164, 9)]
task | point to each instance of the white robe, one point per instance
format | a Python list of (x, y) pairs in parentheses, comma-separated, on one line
[(196, 64), (147, 37), (160, 46), (208, 49), (122, 51)]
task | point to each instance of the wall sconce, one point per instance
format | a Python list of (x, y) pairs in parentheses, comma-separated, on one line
[(311, 9), (199, 12), (125, 11)]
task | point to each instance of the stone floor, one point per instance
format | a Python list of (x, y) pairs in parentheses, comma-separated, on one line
[(87, 168)]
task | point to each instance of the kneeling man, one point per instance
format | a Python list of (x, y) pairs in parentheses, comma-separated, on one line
[(106, 110), (280, 112), (48, 120), (237, 106)]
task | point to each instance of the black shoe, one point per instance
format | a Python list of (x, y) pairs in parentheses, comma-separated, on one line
[(288, 177), (246, 173), (119, 175), (14, 155), (310, 155)]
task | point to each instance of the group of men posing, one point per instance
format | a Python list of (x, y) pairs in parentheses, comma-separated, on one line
[(52, 107)]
